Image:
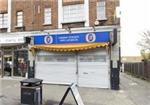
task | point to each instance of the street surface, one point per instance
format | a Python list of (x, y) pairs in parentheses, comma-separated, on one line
[(133, 91)]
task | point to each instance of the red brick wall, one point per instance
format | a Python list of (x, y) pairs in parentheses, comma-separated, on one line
[(3, 9), (3, 6), (110, 10), (34, 21)]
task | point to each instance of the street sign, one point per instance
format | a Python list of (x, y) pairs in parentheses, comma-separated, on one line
[(76, 94), (74, 90)]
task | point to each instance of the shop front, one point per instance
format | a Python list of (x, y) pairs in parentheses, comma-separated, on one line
[(82, 58), (14, 57)]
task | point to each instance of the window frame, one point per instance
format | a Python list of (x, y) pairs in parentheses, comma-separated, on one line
[(49, 16), (20, 17), (3, 20), (101, 5), (76, 11)]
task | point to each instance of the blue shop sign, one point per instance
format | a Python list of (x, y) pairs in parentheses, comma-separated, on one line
[(76, 38)]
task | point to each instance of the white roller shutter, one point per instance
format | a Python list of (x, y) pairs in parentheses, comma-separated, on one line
[(93, 69), (61, 68), (57, 68)]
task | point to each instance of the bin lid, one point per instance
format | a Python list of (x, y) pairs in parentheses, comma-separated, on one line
[(31, 80)]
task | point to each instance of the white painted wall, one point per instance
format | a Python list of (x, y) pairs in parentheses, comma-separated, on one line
[(86, 6), (60, 11), (9, 15)]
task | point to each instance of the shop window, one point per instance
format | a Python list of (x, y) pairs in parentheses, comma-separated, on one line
[(20, 63), (47, 16), (101, 10), (73, 13), (7, 65), (20, 19), (3, 20)]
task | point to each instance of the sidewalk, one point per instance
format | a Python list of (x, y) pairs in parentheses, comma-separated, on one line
[(137, 90), (133, 92)]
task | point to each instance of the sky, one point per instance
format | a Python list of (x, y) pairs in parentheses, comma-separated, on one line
[(135, 19)]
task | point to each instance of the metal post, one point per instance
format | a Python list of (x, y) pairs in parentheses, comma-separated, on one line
[(77, 66)]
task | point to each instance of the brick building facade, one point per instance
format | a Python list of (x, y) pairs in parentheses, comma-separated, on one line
[(33, 13), (3, 6), (28, 18)]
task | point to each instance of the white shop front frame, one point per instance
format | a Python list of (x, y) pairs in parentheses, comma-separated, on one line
[(13, 49)]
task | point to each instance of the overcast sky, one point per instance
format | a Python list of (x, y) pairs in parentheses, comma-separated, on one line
[(135, 19)]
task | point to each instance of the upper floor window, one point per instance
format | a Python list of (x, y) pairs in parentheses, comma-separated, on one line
[(20, 19), (3, 20), (47, 16), (73, 13), (101, 10)]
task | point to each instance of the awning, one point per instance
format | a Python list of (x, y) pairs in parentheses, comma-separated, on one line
[(68, 47)]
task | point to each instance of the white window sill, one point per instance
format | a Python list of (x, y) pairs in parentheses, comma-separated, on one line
[(19, 26), (73, 22), (102, 19), (3, 27), (47, 24)]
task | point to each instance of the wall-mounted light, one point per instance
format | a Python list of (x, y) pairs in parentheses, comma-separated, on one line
[(47, 33), (93, 27), (96, 23), (68, 29)]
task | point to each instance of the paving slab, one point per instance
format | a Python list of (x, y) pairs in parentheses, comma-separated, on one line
[(133, 91)]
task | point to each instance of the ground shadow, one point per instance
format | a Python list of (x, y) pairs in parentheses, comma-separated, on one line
[(52, 102)]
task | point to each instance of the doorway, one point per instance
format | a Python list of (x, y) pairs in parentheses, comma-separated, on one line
[(20, 63), (8, 65), (15, 63)]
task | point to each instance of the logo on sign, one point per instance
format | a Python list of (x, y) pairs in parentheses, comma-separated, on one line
[(90, 37), (48, 39)]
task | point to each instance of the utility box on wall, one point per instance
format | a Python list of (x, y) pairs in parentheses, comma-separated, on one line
[(114, 75)]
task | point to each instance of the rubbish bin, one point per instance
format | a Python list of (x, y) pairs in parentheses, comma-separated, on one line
[(31, 91)]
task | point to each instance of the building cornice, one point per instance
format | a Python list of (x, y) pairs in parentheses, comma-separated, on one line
[(61, 31)]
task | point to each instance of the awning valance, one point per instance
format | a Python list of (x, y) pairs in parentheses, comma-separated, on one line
[(68, 47)]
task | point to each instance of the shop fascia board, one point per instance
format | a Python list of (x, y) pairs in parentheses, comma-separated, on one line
[(16, 34), (11, 40)]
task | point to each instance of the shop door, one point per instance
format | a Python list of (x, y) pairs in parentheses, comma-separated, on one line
[(57, 68), (8, 65), (93, 67), (20, 63)]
